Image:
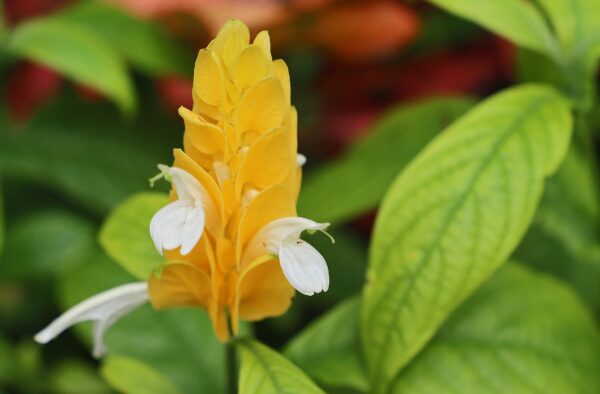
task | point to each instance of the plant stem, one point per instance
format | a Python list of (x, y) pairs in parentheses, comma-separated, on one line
[(231, 367)]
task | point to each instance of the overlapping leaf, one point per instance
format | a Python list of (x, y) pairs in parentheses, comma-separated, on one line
[(329, 349), (564, 238), (76, 52), (522, 332), (265, 371), (517, 20), (129, 375), (141, 43), (125, 234), (454, 215)]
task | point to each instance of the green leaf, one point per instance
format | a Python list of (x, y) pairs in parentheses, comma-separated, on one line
[(76, 52), (128, 375), (453, 217), (522, 332), (47, 243), (564, 238), (329, 349), (179, 343), (517, 20), (141, 43), (76, 377), (97, 163), (577, 26), (575, 22), (265, 371), (125, 235), (364, 173)]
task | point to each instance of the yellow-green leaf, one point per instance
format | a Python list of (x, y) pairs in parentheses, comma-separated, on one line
[(329, 349), (517, 20), (129, 375), (125, 236), (454, 216), (265, 371), (522, 332), (76, 52)]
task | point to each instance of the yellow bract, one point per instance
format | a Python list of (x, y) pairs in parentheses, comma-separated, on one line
[(240, 143)]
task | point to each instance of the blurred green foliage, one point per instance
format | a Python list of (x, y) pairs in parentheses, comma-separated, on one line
[(75, 206)]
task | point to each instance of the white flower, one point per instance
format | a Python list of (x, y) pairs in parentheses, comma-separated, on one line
[(104, 309), (181, 223), (303, 266)]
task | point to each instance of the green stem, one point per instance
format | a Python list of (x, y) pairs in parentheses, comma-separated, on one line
[(231, 367)]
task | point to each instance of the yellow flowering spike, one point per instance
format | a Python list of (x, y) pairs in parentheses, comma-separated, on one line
[(240, 144), (230, 235)]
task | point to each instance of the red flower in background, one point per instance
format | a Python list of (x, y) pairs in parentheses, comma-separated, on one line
[(356, 31), (174, 91), (17, 11), (30, 86)]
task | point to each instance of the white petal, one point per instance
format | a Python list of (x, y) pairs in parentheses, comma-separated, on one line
[(304, 267), (191, 231), (105, 308), (177, 224), (287, 229), (188, 188), (300, 160)]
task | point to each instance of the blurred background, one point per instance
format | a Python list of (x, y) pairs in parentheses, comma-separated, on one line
[(90, 91)]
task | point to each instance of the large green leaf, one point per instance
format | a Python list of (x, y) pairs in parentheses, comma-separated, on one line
[(329, 349), (453, 217), (363, 174), (179, 343), (87, 152), (78, 53), (125, 235), (129, 375), (47, 243), (520, 333), (517, 20), (265, 371), (565, 236), (141, 43)]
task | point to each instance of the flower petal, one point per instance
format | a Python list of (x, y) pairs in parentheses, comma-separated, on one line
[(304, 267), (192, 230), (250, 66), (287, 229), (179, 224), (188, 188), (262, 108), (105, 308)]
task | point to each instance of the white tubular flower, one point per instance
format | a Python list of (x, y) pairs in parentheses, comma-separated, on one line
[(303, 266), (181, 223), (104, 309)]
